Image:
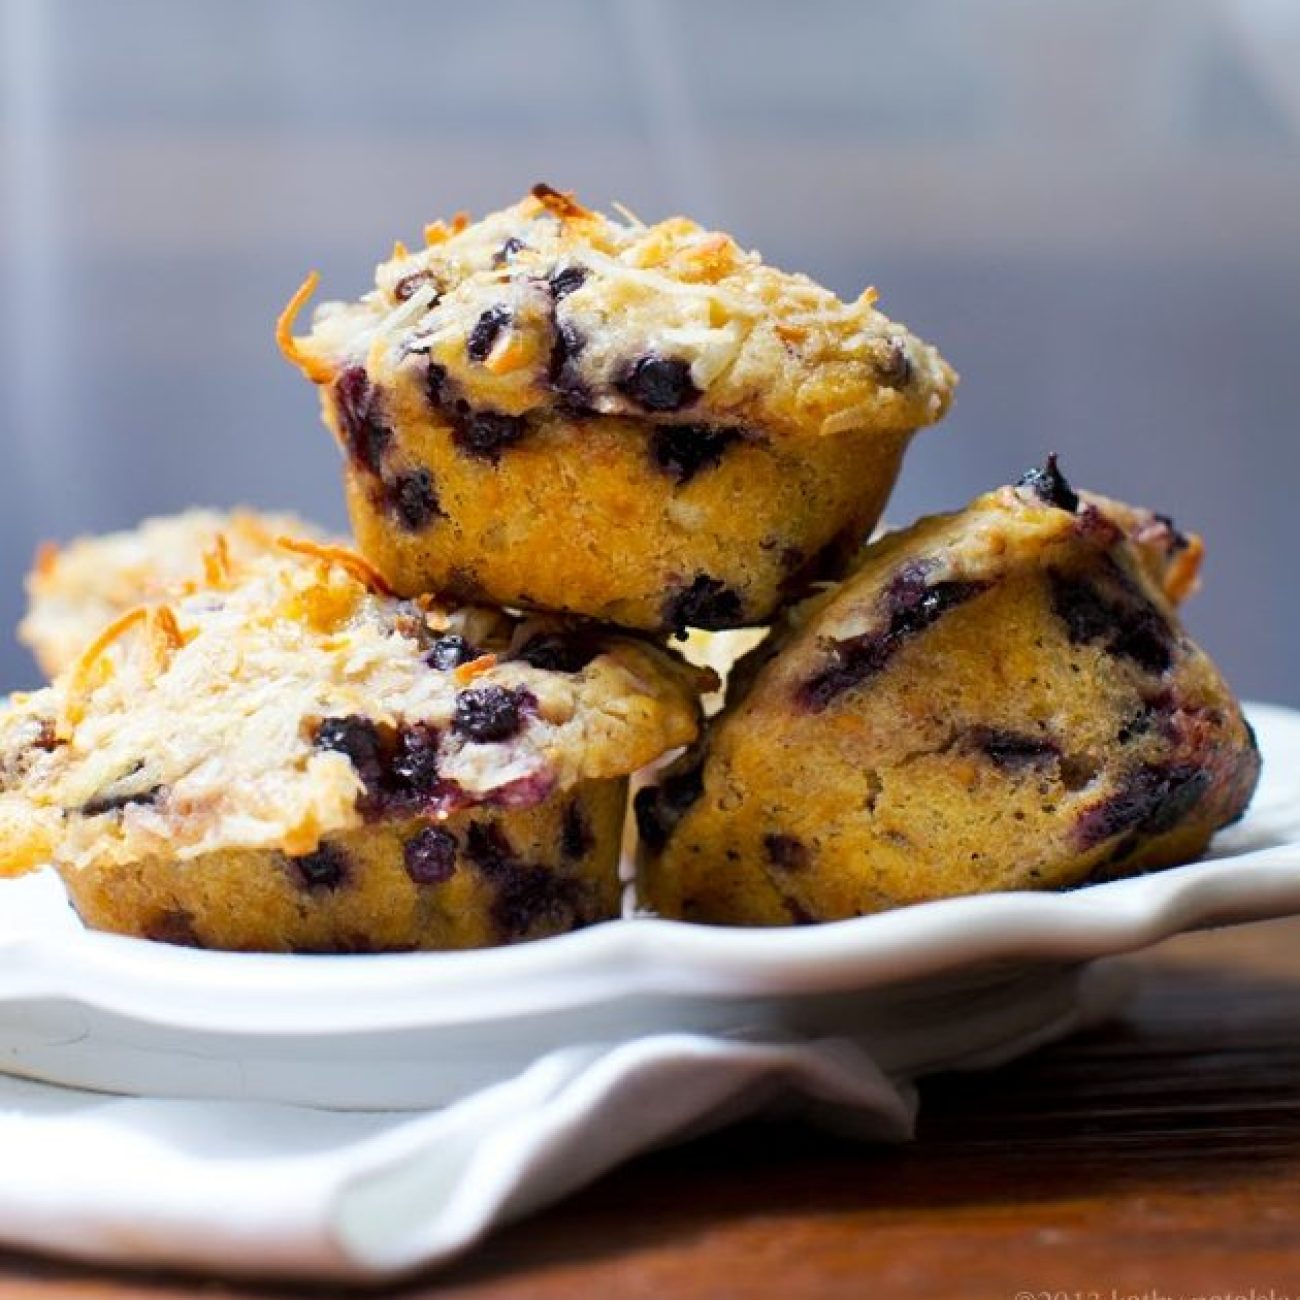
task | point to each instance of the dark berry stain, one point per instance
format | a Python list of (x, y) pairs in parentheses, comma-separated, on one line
[(484, 434), (787, 852), (506, 253), (487, 847), (449, 652), (567, 344), (397, 767), (487, 329), (430, 856), (1012, 751), (526, 896), (323, 871), (894, 368), (659, 808), (1050, 486), (365, 435), (107, 803), (683, 450), (567, 280), (1116, 616), (658, 383), (576, 839), (1153, 799), (911, 607), (560, 652), (529, 897), (414, 500), (439, 384), (707, 603), (487, 714)]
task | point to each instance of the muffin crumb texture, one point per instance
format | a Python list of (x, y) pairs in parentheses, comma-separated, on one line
[(999, 699)]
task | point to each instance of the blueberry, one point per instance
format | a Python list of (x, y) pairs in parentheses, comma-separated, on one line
[(365, 435), (358, 739), (658, 383), (560, 652), (449, 652), (487, 329), (486, 433), (1151, 800), (576, 839), (682, 450), (1050, 486), (430, 856), (414, 500), (490, 713), (707, 603), (659, 808), (567, 280), (480, 433), (415, 762), (323, 871), (562, 369)]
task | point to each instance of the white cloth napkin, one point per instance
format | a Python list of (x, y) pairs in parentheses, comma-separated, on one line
[(270, 1189)]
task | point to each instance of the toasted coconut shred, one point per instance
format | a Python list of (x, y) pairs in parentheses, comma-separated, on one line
[(315, 369)]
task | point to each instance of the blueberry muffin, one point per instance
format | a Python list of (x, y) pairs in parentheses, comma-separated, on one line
[(291, 758), (76, 591), (1001, 698), (641, 424)]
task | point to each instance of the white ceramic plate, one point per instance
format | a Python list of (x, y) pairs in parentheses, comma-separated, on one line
[(410, 1030)]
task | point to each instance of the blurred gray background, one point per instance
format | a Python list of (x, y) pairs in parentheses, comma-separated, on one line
[(1092, 206)]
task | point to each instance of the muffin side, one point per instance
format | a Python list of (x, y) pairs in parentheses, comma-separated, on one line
[(686, 435), (998, 699)]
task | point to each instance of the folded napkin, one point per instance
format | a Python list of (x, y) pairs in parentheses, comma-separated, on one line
[(266, 1188)]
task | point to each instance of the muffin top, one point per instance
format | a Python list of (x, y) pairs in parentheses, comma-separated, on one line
[(292, 697), (547, 306), (75, 591)]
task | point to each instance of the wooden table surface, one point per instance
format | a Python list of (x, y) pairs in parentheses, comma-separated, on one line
[(1157, 1159)]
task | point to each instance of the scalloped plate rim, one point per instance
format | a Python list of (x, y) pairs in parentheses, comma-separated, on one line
[(280, 994)]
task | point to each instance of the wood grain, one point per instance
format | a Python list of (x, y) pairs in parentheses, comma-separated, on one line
[(1159, 1157)]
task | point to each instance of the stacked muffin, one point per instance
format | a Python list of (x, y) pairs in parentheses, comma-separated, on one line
[(566, 438)]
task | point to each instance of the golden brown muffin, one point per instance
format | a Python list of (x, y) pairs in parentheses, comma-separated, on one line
[(1001, 698), (77, 590), (291, 757), (645, 425)]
